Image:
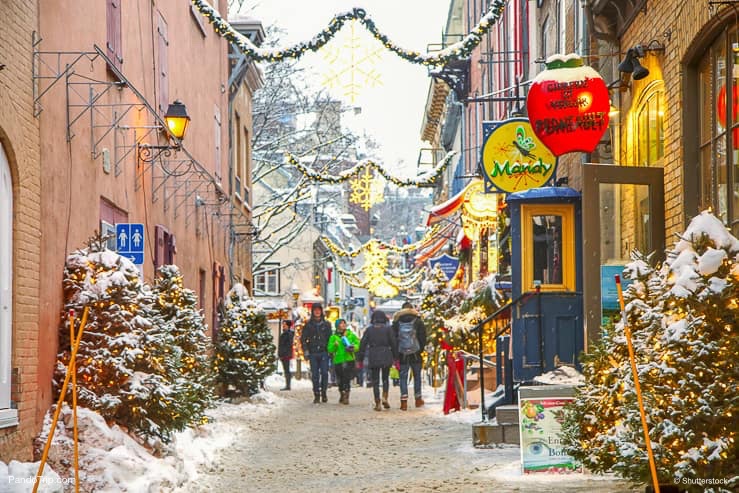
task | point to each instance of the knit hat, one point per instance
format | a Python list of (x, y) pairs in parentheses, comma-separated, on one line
[(378, 317), (338, 321)]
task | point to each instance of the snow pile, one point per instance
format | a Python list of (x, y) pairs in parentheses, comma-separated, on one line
[(111, 460), (564, 375), (19, 477)]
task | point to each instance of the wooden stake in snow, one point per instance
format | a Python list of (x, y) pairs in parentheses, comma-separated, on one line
[(637, 387), (71, 368)]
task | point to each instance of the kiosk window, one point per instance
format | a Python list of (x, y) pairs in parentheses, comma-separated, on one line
[(547, 248)]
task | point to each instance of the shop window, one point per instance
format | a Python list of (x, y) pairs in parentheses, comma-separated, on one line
[(718, 128), (548, 247)]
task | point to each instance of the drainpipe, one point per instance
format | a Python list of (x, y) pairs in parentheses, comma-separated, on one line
[(585, 44)]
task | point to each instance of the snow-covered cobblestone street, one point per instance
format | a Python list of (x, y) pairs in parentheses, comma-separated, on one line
[(300, 446)]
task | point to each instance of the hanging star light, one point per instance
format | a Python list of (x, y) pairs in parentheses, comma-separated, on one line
[(350, 64), (367, 190)]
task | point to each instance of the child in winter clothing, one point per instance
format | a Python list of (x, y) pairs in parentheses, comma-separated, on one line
[(342, 345)]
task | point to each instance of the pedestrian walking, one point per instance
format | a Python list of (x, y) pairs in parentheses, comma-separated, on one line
[(285, 350), (343, 345), (410, 334), (378, 343), (314, 340)]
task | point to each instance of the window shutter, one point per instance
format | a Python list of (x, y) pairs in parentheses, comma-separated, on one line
[(113, 44), (171, 248), (217, 296), (162, 59), (217, 140), (159, 259)]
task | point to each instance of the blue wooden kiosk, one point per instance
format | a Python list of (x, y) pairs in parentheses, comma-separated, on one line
[(546, 267)]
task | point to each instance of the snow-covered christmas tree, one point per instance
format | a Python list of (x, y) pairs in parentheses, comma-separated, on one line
[(113, 375), (245, 350), (142, 361), (683, 317), (177, 347)]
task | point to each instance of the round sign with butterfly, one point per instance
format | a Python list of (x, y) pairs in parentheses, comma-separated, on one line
[(513, 157)]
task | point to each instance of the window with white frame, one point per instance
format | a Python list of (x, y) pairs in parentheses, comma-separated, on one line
[(8, 416), (267, 279)]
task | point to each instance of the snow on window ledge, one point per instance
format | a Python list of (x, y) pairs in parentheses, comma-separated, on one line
[(8, 417)]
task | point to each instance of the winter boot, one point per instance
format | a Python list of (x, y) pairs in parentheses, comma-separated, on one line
[(403, 403), (324, 397), (419, 402), (341, 397), (346, 397), (378, 406), (385, 403), (316, 398)]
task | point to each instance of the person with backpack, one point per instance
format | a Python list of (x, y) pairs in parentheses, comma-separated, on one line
[(410, 334), (314, 340), (378, 343), (342, 345)]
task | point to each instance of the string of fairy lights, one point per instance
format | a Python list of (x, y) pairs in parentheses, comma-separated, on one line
[(458, 50), (375, 243), (426, 179), (375, 252)]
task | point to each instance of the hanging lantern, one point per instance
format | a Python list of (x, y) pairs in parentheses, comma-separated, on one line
[(721, 111), (568, 105)]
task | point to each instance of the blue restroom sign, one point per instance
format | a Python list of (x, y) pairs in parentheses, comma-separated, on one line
[(129, 241)]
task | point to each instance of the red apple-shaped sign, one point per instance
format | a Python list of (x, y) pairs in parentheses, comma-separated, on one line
[(568, 105)]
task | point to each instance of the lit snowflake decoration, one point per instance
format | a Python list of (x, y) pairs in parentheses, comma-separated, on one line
[(367, 190), (354, 60)]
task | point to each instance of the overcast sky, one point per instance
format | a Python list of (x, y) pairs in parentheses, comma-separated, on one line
[(392, 112)]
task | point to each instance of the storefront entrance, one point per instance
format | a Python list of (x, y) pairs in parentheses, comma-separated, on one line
[(623, 210)]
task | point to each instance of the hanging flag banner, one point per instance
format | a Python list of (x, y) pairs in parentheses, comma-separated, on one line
[(446, 263), (513, 157), (568, 105)]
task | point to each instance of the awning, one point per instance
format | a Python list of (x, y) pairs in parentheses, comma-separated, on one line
[(441, 211), (422, 257)]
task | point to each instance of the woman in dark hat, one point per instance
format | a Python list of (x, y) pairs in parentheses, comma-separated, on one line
[(378, 342)]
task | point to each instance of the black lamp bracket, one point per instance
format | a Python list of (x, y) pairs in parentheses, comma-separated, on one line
[(150, 153)]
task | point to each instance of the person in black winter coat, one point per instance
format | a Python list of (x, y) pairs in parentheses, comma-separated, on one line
[(410, 351), (285, 350), (314, 340), (378, 342)]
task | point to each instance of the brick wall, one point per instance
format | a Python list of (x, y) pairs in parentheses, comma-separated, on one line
[(684, 22), (19, 136)]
